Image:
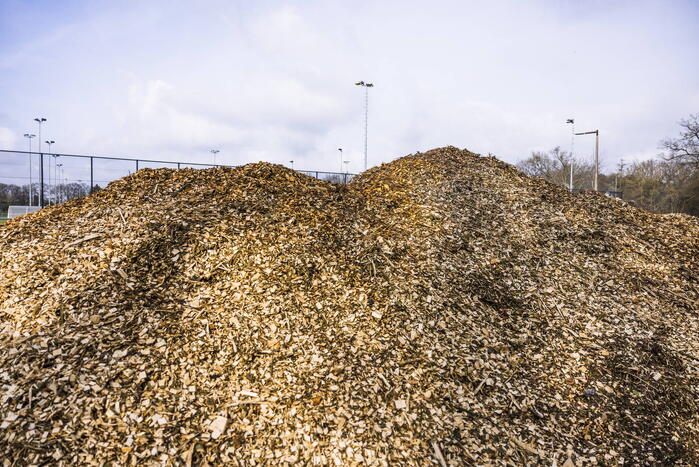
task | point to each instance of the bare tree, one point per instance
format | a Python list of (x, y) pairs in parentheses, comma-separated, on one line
[(554, 166), (686, 147), (540, 164)]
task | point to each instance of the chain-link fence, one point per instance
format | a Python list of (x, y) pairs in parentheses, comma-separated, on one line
[(38, 179)]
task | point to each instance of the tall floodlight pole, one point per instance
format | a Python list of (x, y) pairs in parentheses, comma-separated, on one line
[(40, 120), (292, 164), (29, 137), (366, 117), (572, 151), (596, 133), (341, 159), (214, 152)]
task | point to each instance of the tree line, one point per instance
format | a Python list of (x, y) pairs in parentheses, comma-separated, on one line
[(667, 183)]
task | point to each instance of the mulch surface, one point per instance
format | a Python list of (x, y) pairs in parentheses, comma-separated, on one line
[(442, 309)]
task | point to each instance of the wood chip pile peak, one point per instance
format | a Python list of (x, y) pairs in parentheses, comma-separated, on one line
[(442, 309)]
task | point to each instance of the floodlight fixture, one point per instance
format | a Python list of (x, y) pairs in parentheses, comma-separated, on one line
[(214, 152)]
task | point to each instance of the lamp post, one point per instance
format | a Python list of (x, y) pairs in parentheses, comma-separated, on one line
[(596, 133), (214, 152), (292, 164), (29, 137), (366, 116), (346, 165), (40, 120), (572, 151), (341, 159)]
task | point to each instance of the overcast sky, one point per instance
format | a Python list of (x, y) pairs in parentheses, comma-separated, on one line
[(274, 80)]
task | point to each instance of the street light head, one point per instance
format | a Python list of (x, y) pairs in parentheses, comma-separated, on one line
[(27, 135), (40, 120), (359, 83), (570, 120), (370, 85)]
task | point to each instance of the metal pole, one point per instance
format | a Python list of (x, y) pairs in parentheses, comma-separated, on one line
[(572, 152), (340, 149), (59, 190), (31, 179), (596, 133), (136, 165), (41, 183), (366, 124), (55, 182), (50, 178), (366, 118), (596, 157), (40, 120), (572, 156), (31, 189), (48, 200), (92, 183)]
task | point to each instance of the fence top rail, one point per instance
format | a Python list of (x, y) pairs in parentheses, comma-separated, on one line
[(114, 158), (151, 160)]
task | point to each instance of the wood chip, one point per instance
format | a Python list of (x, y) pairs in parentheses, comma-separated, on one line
[(257, 316)]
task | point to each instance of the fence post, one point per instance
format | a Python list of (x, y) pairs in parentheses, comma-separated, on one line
[(136, 165), (41, 183), (92, 183), (178, 166)]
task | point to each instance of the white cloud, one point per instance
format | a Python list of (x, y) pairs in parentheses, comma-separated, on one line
[(8, 140)]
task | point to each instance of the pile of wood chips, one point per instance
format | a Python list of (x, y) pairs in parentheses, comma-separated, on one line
[(442, 309)]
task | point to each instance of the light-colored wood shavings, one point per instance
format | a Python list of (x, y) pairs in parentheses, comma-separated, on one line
[(443, 309)]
